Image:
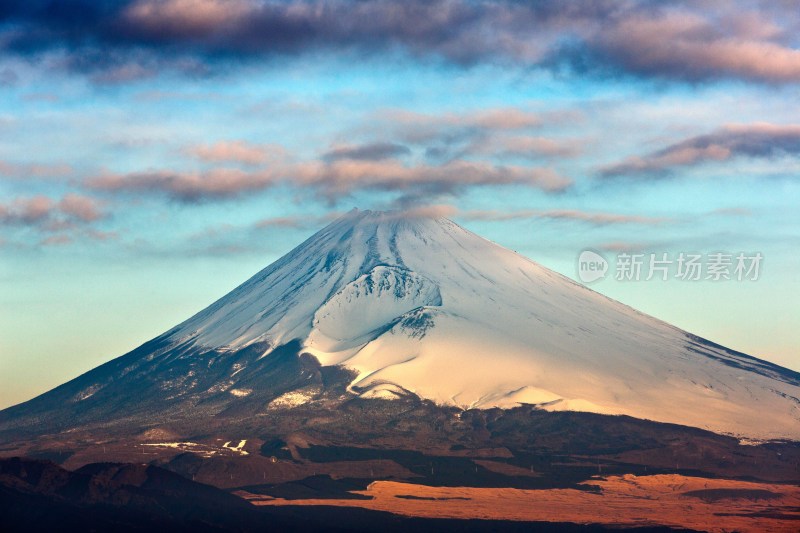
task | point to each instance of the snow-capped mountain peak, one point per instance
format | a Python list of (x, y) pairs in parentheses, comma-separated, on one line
[(419, 304)]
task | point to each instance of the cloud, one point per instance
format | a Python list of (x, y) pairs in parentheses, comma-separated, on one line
[(527, 147), (33, 170), (760, 140), (374, 165), (492, 132), (62, 239), (185, 19), (419, 128), (305, 220), (26, 211), (121, 40), (42, 97), (343, 177), (50, 215), (8, 78), (238, 152), (623, 246), (56, 222), (333, 180), (367, 152), (56, 240), (733, 212), (595, 218), (682, 44), (79, 207), (282, 222), (186, 187), (431, 211)]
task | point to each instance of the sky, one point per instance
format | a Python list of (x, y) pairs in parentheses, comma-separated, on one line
[(156, 153)]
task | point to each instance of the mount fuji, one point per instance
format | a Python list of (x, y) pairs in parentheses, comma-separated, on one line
[(386, 306)]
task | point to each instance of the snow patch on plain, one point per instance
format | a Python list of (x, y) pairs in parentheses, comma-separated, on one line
[(292, 399)]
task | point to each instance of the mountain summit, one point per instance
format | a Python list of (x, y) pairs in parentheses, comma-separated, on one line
[(418, 306)]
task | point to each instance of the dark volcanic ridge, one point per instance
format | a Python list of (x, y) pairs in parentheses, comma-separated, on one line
[(41, 496)]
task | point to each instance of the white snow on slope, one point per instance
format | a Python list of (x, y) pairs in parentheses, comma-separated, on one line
[(424, 305)]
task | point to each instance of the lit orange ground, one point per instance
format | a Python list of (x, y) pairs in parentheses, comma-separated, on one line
[(628, 500)]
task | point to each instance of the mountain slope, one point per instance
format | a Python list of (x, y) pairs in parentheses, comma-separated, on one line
[(420, 305)]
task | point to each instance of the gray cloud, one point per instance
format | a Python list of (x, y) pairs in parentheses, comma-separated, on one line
[(696, 45), (368, 152), (121, 40), (332, 180), (8, 78), (46, 214), (185, 186), (493, 132), (760, 140)]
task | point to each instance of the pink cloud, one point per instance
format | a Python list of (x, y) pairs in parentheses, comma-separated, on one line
[(27, 210), (282, 222), (343, 177), (432, 211), (503, 119), (333, 180), (34, 170), (239, 152), (80, 207), (689, 45), (757, 140), (98, 235), (695, 41), (51, 215), (623, 246), (297, 221), (421, 127), (186, 18), (56, 240), (188, 187)]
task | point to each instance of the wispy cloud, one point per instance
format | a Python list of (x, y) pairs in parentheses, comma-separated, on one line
[(367, 152), (23, 171), (46, 214), (624, 246), (760, 140), (485, 133), (595, 218), (80, 208), (343, 177), (185, 186), (733, 212), (301, 221), (238, 152), (526, 147), (421, 128), (333, 180)]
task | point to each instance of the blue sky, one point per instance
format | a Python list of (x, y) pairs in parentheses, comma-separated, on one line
[(154, 154)]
